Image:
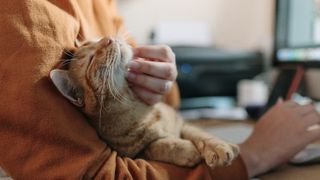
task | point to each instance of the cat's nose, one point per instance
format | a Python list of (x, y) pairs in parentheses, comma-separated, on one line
[(106, 42)]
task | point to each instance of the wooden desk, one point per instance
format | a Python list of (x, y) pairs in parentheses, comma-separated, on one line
[(290, 172), (285, 172)]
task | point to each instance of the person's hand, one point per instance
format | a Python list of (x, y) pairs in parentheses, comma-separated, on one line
[(281, 133), (152, 72)]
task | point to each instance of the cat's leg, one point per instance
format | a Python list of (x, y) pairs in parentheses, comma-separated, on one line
[(173, 150), (215, 151)]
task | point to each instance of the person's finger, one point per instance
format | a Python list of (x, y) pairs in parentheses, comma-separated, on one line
[(313, 127), (290, 104), (156, 85), (305, 109), (157, 52), (161, 70), (146, 96), (311, 119), (279, 101), (313, 133)]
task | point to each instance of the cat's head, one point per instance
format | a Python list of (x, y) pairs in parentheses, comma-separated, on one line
[(96, 74)]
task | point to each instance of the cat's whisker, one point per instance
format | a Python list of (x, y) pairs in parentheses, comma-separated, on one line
[(121, 31), (65, 51), (118, 96), (112, 78), (112, 86), (102, 100), (110, 83), (126, 36), (68, 51), (123, 99), (67, 54), (100, 112), (123, 34), (65, 62)]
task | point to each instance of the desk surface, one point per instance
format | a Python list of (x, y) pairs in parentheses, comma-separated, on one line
[(285, 172)]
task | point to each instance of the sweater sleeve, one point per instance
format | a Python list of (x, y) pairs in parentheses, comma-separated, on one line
[(42, 136)]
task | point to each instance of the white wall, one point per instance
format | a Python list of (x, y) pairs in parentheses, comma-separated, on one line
[(234, 23)]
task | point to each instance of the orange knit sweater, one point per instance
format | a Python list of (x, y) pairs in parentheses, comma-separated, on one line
[(42, 136)]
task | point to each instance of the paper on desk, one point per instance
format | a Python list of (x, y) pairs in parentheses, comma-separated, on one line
[(310, 154), (182, 33), (234, 133), (3, 175)]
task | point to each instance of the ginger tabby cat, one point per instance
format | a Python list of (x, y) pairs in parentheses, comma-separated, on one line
[(95, 82)]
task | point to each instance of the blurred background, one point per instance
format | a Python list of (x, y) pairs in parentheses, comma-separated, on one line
[(245, 24), (225, 49)]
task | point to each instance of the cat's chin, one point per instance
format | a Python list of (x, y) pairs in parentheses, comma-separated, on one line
[(126, 53)]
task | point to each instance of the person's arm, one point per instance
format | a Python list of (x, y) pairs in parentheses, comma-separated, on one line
[(279, 135)]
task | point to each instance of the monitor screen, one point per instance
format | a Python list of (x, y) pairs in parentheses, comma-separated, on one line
[(297, 31)]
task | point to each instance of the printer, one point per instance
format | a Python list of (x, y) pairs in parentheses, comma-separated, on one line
[(210, 71)]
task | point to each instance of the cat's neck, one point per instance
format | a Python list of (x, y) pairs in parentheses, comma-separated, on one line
[(121, 116)]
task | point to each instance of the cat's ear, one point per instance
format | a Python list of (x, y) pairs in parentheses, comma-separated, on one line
[(66, 86)]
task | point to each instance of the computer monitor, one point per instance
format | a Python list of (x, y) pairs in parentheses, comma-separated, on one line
[(296, 45), (297, 32)]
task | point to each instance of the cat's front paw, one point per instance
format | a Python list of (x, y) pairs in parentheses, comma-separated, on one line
[(218, 153), (189, 158)]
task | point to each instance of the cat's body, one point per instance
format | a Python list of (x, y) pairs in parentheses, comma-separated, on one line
[(139, 124), (96, 82)]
